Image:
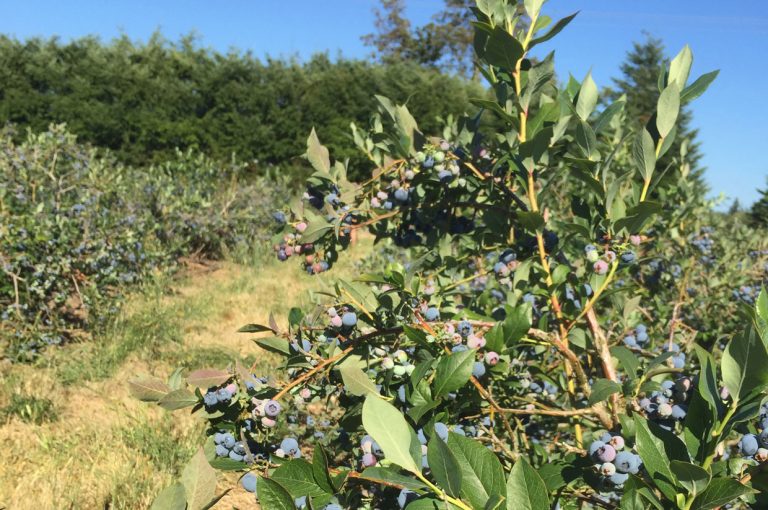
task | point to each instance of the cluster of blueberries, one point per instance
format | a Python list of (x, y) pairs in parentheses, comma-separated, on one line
[(219, 395), (747, 293), (670, 404), (228, 446), (638, 339), (463, 338), (291, 245), (678, 356), (613, 462), (704, 243), (755, 446)]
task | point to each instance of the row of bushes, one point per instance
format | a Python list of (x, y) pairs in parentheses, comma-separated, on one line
[(143, 101), (77, 227)]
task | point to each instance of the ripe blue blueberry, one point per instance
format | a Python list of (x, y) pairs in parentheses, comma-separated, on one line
[(290, 447), (464, 328), (221, 450), (248, 481), (749, 445), (627, 462), (619, 479), (349, 319), (229, 440), (272, 408), (368, 460), (432, 314), (401, 194), (235, 456), (478, 369)]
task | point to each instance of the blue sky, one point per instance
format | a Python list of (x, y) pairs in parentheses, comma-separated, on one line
[(730, 36)]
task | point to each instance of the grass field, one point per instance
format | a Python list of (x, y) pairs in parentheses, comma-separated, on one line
[(71, 434)]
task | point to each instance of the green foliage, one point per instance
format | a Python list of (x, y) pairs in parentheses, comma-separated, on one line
[(145, 101), (77, 227), (563, 328)]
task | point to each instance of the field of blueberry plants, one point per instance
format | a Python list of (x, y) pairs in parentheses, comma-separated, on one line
[(549, 317)]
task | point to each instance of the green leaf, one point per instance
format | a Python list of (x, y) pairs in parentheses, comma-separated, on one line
[(254, 328), (556, 29), (389, 476), (444, 466), (532, 221), (274, 344), (320, 470), (500, 48), (644, 154), (743, 364), (178, 399), (496, 502), (602, 389), (148, 389), (719, 492), (587, 100), (453, 371), (273, 496), (317, 155), (199, 480), (171, 498), (356, 382), (206, 377), (656, 460), (492, 106), (297, 477), (387, 426), (668, 108), (586, 139), (694, 478), (482, 473), (533, 8), (316, 229), (680, 67), (525, 488), (698, 87), (604, 119), (627, 359)]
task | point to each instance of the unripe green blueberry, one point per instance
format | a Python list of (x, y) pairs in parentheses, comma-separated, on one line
[(387, 363), (399, 370), (593, 256), (439, 156)]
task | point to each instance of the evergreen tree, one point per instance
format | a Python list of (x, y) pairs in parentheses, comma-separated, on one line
[(638, 82), (759, 211)]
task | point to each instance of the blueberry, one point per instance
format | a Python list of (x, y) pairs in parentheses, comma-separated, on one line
[(210, 399), (401, 194), (763, 437), (221, 450), (478, 369), (605, 453), (432, 314), (678, 412), (748, 445), (291, 447), (368, 460), (218, 437), (464, 328), (349, 319), (228, 441), (249, 482), (235, 456), (405, 497), (272, 408), (627, 462), (619, 479)]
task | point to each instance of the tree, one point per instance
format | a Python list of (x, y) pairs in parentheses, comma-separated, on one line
[(445, 42), (639, 82), (759, 210)]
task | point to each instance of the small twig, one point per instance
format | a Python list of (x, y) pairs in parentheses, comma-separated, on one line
[(310, 373)]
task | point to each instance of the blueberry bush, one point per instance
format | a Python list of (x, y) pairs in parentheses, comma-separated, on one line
[(563, 328), (77, 228)]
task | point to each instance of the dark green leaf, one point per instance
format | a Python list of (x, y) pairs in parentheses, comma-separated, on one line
[(178, 399), (482, 473), (297, 477), (317, 154), (602, 389), (719, 492), (627, 359), (560, 25), (644, 153), (656, 457), (453, 371), (698, 87), (744, 364), (387, 426), (694, 478), (356, 382), (273, 496), (274, 344), (525, 488), (254, 328), (390, 476), (444, 466)]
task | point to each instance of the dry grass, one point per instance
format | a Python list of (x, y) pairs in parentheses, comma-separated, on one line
[(75, 437)]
